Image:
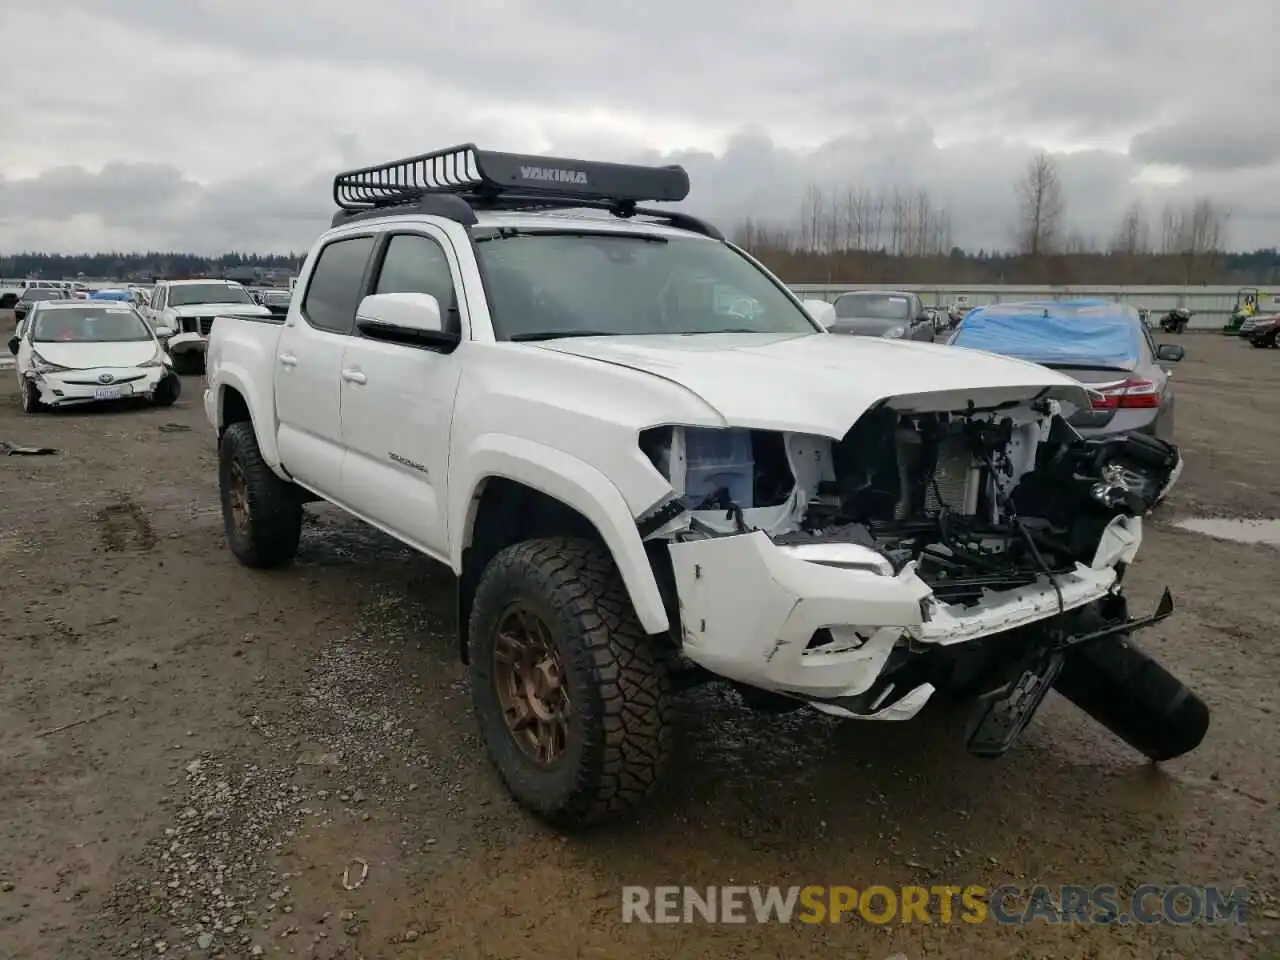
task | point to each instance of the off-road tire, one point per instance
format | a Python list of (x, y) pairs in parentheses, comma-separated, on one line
[(618, 679), (31, 398), (168, 390), (274, 505)]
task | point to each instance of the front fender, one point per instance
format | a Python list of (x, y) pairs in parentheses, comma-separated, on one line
[(261, 411), (571, 481)]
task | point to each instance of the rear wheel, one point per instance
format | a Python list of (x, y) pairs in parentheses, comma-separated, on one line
[(571, 696), (261, 513)]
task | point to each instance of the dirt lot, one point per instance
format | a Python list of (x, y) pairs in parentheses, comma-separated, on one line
[(241, 737)]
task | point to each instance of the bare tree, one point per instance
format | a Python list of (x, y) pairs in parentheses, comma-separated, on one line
[(811, 217), (1133, 236), (1193, 233), (1040, 206)]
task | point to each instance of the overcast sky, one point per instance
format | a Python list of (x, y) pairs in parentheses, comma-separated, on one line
[(208, 125)]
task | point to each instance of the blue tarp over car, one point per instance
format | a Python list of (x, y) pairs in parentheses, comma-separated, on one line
[(1057, 332)]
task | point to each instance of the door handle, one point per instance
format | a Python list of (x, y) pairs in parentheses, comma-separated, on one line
[(354, 376), (288, 359)]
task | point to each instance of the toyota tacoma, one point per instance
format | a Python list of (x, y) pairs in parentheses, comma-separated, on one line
[(649, 466)]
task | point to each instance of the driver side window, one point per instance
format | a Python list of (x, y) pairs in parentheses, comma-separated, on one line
[(414, 263)]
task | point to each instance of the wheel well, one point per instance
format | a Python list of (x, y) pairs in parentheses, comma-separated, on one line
[(235, 409), (508, 513)]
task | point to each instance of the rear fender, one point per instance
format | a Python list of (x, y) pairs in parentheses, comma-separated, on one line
[(574, 483), (231, 376)]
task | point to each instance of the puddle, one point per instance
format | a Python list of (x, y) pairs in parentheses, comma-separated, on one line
[(1241, 531)]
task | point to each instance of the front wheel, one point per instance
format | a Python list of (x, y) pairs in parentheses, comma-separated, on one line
[(31, 402), (261, 513), (570, 694), (168, 390)]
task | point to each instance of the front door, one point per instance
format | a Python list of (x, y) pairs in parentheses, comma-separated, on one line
[(397, 402), (308, 365)]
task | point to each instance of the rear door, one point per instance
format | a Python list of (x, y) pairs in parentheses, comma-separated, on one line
[(308, 365), (397, 400)]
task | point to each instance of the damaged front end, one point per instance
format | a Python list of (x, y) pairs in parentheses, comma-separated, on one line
[(974, 552)]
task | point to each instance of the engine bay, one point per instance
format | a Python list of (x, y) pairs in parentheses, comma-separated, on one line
[(979, 500)]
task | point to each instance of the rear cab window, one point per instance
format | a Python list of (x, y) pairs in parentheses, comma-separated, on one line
[(337, 284)]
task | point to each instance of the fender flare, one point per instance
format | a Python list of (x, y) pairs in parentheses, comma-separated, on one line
[(574, 483), (231, 375)]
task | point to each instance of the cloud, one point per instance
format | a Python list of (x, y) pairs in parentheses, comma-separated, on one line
[(1211, 142), (212, 126)]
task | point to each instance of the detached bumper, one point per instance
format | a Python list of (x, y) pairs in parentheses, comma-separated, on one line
[(750, 611), (74, 387), (181, 343)]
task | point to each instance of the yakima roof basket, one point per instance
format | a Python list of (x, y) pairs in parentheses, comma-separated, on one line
[(486, 173), (453, 181)]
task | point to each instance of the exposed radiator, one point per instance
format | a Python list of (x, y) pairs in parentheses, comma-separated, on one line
[(955, 480)]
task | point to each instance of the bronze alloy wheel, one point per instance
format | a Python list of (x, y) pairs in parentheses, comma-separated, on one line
[(238, 491), (529, 677)]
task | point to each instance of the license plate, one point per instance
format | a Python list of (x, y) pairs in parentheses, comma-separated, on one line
[(999, 722), (108, 393)]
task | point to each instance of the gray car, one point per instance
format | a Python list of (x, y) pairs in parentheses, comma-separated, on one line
[(883, 313), (1104, 345)]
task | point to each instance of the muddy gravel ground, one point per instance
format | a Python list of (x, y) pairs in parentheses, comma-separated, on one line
[(198, 760)]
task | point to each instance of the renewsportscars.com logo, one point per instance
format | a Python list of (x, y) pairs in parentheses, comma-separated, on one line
[(1006, 905)]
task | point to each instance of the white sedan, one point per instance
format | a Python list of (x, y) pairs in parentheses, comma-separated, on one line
[(73, 352)]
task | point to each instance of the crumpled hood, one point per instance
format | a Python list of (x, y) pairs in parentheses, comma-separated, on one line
[(221, 310), (821, 383)]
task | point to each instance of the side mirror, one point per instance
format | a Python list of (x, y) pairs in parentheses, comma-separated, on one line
[(412, 319), (1170, 352), (14, 343), (820, 310)]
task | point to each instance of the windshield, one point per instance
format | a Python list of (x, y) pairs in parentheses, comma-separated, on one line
[(42, 293), (90, 325), (543, 284), (881, 306), (188, 294)]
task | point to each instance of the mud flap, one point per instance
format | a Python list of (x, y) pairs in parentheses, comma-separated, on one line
[(1134, 697)]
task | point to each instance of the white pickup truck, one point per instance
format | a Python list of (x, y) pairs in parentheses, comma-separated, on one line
[(649, 465), (181, 312)]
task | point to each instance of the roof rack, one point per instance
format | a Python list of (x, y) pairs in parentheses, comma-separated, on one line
[(456, 181)]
